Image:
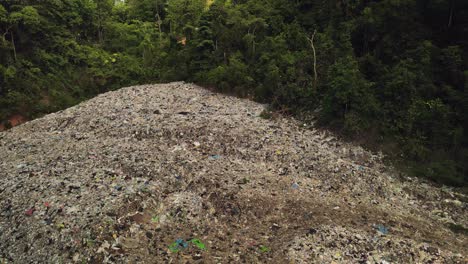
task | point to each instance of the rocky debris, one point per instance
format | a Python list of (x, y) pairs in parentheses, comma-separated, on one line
[(122, 177)]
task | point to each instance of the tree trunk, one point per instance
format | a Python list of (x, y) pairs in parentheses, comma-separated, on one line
[(159, 22), (101, 33), (13, 43), (311, 40), (452, 3)]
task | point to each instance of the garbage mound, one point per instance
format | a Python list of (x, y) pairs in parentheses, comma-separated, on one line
[(174, 173)]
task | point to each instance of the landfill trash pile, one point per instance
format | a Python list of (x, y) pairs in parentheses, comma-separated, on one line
[(174, 173)]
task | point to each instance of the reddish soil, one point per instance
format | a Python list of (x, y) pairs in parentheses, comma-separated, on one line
[(13, 120)]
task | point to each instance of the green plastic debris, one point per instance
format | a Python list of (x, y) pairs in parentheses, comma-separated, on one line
[(180, 244), (155, 219), (174, 247), (264, 249), (198, 243)]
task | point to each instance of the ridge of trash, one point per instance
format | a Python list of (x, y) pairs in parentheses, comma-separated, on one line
[(176, 173)]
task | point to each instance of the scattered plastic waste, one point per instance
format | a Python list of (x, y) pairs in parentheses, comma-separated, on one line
[(312, 231), (90, 242), (30, 211), (283, 171), (275, 226), (174, 247), (252, 243), (264, 249), (198, 243), (382, 229), (155, 219), (118, 188), (243, 181), (214, 157), (105, 245), (337, 255), (210, 193), (181, 244), (197, 257), (178, 245)]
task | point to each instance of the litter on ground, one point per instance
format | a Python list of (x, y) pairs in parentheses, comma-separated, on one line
[(174, 173)]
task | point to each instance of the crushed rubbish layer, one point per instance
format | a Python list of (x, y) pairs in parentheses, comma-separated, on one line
[(174, 173)]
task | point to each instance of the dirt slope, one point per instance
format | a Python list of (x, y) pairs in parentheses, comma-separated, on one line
[(173, 173)]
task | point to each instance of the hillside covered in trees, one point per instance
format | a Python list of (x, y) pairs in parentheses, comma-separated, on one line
[(389, 73)]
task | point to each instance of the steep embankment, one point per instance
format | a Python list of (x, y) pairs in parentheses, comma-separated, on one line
[(136, 175)]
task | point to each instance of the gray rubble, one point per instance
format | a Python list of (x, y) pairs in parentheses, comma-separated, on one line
[(173, 173)]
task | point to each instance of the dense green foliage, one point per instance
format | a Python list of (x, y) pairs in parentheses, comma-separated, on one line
[(391, 72)]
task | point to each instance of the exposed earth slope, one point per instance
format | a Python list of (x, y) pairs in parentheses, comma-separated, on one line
[(174, 173)]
